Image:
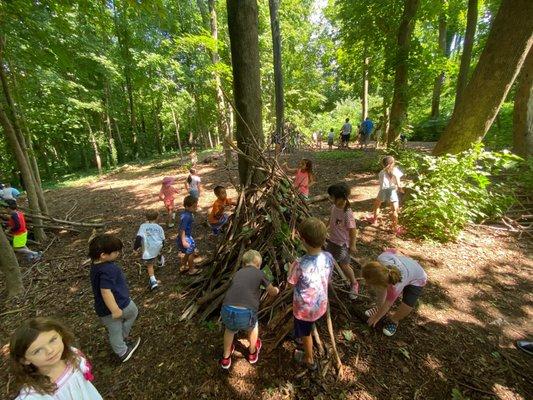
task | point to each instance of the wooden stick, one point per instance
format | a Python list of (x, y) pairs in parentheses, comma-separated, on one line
[(338, 362)]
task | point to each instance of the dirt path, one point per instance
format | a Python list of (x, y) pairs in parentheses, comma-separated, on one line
[(478, 301)]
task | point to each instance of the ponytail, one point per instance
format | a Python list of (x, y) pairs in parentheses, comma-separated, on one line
[(394, 275), (376, 274)]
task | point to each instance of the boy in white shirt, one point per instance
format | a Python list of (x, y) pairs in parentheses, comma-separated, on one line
[(150, 239)]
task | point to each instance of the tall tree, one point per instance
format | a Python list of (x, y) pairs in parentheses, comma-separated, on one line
[(464, 68), (400, 99), (10, 267), (278, 72), (244, 39), (523, 110), (439, 80), (500, 62), (364, 97)]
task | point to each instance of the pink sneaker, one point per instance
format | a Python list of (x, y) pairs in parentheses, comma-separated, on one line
[(252, 358)]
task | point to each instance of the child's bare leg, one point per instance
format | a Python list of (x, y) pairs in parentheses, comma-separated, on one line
[(377, 204), (395, 208), (228, 341), (403, 311), (253, 335), (150, 270), (308, 348), (190, 263), (185, 261), (348, 271)]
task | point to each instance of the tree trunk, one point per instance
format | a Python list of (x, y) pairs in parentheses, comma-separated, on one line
[(243, 33), (94, 145), (115, 141), (523, 110), (10, 267), (400, 100), (500, 62), (364, 105), (25, 169), (471, 23), (157, 129), (439, 80), (177, 128), (278, 71)]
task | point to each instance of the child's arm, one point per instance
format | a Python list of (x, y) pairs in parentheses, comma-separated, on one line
[(161, 195), (111, 303), (382, 311), (186, 185), (138, 243), (312, 180), (289, 169), (184, 242), (353, 240), (272, 290)]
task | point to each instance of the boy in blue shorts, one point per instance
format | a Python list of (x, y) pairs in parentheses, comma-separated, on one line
[(185, 241)]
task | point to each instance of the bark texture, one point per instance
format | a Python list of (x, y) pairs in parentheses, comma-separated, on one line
[(278, 71), (10, 267), (523, 110), (439, 80), (466, 57)]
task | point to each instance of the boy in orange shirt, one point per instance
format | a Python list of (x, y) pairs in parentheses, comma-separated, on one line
[(217, 217)]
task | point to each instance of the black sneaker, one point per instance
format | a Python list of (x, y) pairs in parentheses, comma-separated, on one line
[(132, 346), (526, 346)]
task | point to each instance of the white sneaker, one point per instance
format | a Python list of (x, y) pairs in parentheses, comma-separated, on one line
[(371, 311), (161, 261)]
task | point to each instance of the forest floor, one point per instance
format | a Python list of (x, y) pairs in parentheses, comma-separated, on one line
[(459, 344)]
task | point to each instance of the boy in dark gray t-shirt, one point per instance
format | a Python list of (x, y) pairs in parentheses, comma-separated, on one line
[(240, 306)]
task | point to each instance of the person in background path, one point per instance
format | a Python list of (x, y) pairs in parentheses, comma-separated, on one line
[(193, 184), (17, 227), (150, 239), (112, 302), (167, 194), (8, 193), (367, 127), (218, 217), (380, 128), (331, 138), (45, 364), (346, 131), (304, 177), (185, 241), (319, 140), (393, 274), (240, 306)]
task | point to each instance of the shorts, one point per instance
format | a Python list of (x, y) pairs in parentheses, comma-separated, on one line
[(388, 195), (218, 226), (20, 240), (189, 250), (151, 261), (169, 204), (330, 142), (345, 138), (410, 294), (238, 319), (303, 328), (340, 253), (366, 138), (194, 193)]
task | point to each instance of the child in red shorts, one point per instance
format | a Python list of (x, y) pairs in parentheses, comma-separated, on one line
[(167, 194)]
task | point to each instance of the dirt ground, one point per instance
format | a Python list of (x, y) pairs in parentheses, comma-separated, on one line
[(459, 344)]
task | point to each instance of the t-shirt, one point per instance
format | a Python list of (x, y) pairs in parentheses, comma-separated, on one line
[(367, 126), (186, 221), (331, 135), (340, 223), (9, 193), (73, 384), (411, 271), (153, 236), (245, 288), (301, 182), (310, 276), (167, 192), (387, 181), (109, 275), (218, 209), (347, 128), (195, 181), (17, 223)]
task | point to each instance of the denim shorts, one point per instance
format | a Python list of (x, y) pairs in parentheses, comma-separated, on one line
[(192, 245), (238, 319), (194, 193), (341, 254), (388, 195)]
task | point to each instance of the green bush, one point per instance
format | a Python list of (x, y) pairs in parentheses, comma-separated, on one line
[(428, 130), (450, 191)]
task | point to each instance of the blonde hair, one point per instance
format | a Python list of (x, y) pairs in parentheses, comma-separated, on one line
[(376, 274), (250, 256)]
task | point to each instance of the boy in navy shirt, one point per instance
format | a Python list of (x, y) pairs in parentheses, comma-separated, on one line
[(185, 241), (112, 301)]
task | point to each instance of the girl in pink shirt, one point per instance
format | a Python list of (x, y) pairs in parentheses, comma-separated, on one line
[(393, 274), (167, 194), (304, 177)]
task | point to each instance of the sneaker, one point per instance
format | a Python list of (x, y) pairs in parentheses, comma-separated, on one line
[(299, 357), (354, 290), (153, 284), (161, 262), (225, 363), (132, 346), (525, 346), (390, 328), (371, 311), (253, 357)]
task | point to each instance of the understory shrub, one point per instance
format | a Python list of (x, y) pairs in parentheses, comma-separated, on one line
[(452, 190)]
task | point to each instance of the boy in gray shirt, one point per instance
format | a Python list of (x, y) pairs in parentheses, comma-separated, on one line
[(240, 306)]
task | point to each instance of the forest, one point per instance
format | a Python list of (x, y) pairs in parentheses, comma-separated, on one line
[(113, 110)]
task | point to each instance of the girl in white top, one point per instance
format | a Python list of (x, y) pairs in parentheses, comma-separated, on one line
[(389, 186), (193, 184), (45, 365)]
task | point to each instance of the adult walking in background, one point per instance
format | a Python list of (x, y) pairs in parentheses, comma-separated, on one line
[(367, 127), (346, 131)]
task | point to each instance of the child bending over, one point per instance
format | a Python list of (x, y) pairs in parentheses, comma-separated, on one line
[(185, 241), (17, 227), (304, 177), (240, 306), (167, 195), (150, 239), (310, 275), (217, 217), (393, 274)]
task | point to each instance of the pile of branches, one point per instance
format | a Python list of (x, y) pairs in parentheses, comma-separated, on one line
[(265, 219)]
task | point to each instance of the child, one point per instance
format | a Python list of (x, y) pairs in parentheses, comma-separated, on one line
[(304, 177), (393, 274), (167, 194), (389, 185), (112, 302), (185, 241), (342, 233), (217, 218), (331, 137), (8, 193), (46, 365), (310, 276), (150, 238), (17, 227), (239, 309), (193, 184)]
